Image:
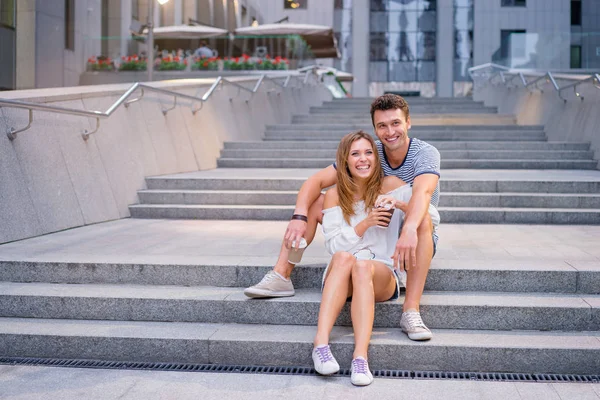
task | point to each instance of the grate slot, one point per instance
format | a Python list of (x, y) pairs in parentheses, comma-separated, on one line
[(298, 370)]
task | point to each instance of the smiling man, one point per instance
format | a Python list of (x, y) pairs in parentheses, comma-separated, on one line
[(410, 159)]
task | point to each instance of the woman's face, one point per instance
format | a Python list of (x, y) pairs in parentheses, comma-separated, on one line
[(361, 159)]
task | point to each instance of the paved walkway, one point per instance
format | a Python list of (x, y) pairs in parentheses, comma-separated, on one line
[(194, 242), (29, 383)]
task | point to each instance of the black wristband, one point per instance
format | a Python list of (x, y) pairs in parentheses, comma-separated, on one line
[(300, 217)]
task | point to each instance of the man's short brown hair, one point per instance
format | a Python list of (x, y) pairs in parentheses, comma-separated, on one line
[(388, 102)]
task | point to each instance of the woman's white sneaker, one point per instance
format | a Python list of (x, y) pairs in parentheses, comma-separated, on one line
[(360, 373), (325, 363)]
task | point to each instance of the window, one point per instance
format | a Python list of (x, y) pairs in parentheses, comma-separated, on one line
[(70, 25), (513, 3), (135, 9), (463, 39), (575, 56), (576, 12), (7, 13), (512, 43), (294, 4)]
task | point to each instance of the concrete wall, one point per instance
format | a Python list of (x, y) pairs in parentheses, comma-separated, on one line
[(51, 179), (573, 121), (7, 61)]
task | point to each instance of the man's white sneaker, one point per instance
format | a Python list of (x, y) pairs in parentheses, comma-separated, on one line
[(412, 324), (271, 285), (360, 373), (325, 363)]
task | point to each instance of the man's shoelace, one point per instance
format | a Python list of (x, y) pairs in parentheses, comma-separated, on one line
[(324, 353), (414, 320), (360, 366)]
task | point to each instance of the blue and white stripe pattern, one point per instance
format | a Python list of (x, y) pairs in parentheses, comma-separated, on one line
[(422, 158)]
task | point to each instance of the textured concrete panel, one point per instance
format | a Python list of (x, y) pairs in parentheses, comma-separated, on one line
[(17, 211), (45, 171), (85, 165), (180, 137), (126, 150)]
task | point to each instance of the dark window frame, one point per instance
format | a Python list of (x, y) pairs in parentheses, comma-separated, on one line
[(70, 25), (514, 3), (576, 16), (580, 63)]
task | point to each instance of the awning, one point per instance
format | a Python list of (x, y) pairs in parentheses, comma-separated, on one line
[(186, 32), (320, 38)]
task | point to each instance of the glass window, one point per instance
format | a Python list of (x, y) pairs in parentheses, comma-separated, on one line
[(463, 44), (428, 21), (461, 69), (342, 4), (379, 21), (402, 46), (403, 5), (512, 43), (403, 21), (428, 5), (513, 3), (426, 46), (575, 56), (378, 5), (378, 72), (463, 3), (294, 4), (463, 18), (403, 71), (576, 12), (378, 47), (8, 13), (70, 25), (426, 71)]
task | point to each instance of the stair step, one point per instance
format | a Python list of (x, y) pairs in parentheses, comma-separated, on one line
[(447, 199), (482, 215), (415, 111), (440, 145), (445, 154), (445, 275), (446, 184), (285, 345), (440, 310), (445, 164), (427, 136), (415, 128)]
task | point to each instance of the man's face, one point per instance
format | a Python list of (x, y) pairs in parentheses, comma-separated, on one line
[(391, 127)]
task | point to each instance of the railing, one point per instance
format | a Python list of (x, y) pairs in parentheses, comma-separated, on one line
[(12, 132), (508, 75)]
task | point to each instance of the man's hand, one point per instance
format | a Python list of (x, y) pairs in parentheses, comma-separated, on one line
[(405, 255), (294, 232)]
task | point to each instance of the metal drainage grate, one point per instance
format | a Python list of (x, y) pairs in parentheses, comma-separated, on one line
[(258, 369)]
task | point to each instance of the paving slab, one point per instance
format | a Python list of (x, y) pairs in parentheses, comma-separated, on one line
[(33, 382)]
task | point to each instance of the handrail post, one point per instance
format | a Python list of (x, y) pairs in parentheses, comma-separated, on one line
[(12, 132)]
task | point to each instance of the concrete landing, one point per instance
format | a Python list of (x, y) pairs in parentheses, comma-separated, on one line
[(32, 383)]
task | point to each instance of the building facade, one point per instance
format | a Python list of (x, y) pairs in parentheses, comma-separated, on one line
[(424, 46)]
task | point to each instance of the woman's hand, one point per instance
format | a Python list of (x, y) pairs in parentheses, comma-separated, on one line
[(378, 217), (385, 201)]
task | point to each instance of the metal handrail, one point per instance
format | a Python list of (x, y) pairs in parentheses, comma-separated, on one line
[(12, 132), (548, 76)]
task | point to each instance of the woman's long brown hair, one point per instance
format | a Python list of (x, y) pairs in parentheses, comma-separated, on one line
[(346, 186)]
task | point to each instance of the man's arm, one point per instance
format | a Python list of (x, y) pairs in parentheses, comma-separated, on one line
[(309, 192), (418, 206)]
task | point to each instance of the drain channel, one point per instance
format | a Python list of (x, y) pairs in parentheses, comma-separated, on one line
[(257, 369)]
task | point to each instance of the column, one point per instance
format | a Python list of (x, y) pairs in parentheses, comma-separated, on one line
[(126, 16), (178, 20), (444, 49), (360, 48)]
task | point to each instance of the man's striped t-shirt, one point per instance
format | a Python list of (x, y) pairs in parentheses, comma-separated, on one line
[(421, 158)]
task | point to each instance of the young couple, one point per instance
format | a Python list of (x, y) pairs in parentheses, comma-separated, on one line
[(369, 260)]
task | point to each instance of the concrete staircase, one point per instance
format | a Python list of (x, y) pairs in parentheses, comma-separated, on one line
[(491, 142), (152, 290)]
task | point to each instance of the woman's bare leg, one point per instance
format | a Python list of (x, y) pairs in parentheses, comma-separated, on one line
[(371, 281), (337, 288)]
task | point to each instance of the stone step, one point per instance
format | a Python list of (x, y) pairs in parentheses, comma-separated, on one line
[(445, 154), (486, 275), (445, 164), (415, 128), (440, 145), (291, 345), (481, 215), (410, 101), (447, 199), (440, 310), (427, 136), (430, 119), (415, 111), (446, 185)]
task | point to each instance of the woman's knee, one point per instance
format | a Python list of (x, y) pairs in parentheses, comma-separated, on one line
[(362, 272), (342, 261)]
